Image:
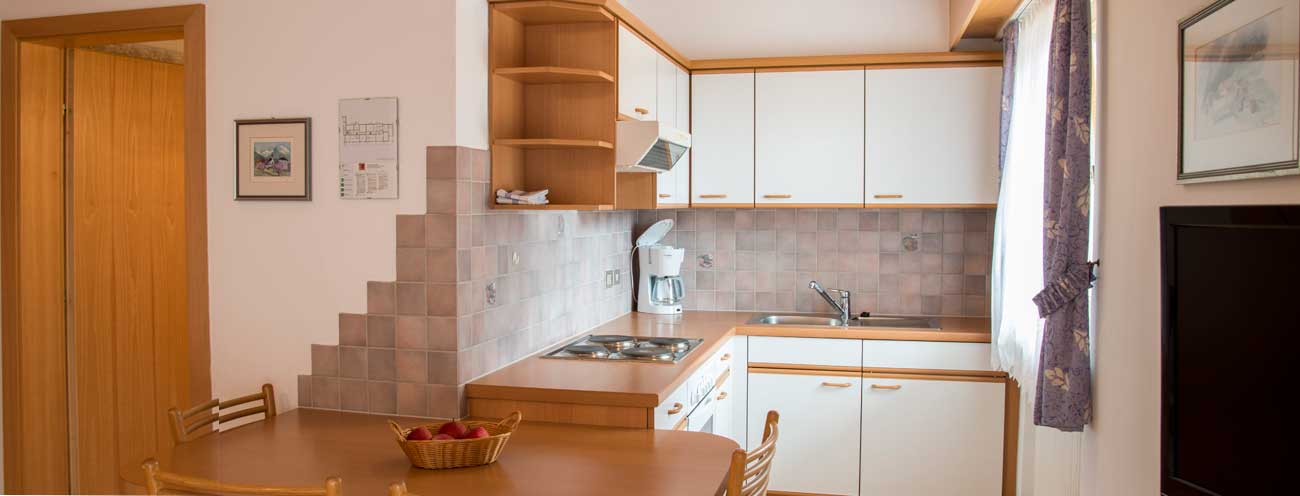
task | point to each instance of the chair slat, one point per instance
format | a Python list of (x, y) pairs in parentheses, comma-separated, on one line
[(207, 405), (248, 398), (226, 417), (750, 472), (157, 480), (202, 416)]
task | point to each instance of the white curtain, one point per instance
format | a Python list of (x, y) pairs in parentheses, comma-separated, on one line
[(1049, 459), (1018, 234)]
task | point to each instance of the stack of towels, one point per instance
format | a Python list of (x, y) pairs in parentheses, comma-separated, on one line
[(518, 197)]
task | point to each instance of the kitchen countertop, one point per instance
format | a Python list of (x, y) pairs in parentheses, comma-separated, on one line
[(639, 384), (302, 447)]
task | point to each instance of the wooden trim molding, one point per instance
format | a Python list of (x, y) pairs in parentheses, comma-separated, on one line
[(21, 433), (868, 60)]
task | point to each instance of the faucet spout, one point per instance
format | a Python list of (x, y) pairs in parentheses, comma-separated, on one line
[(841, 306)]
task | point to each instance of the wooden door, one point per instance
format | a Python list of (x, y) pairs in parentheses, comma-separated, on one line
[(636, 76), (932, 135), (931, 437), (722, 121), (820, 422), (127, 257), (808, 138)]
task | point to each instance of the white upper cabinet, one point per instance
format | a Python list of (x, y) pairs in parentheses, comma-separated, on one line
[(809, 137), (637, 70), (929, 437), (722, 138), (682, 171), (666, 112), (932, 135)]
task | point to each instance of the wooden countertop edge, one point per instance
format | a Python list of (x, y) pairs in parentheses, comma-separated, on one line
[(645, 399)]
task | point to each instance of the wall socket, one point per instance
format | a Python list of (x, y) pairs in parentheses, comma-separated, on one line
[(613, 278)]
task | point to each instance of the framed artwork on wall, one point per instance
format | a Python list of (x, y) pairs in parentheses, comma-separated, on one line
[(1239, 71), (273, 159)]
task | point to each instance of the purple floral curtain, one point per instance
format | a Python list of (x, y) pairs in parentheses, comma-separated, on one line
[(1010, 36), (1064, 397)]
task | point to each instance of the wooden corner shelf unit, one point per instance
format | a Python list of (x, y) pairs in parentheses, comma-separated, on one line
[(554, 102)]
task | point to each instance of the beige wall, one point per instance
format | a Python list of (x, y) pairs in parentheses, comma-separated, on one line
[(1138, 143), (280, 272)]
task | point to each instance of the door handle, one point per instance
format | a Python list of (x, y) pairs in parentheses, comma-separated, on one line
[(838, 384), (888, 196), (722, 396), (676, 409), (778, 197), (893, 387), (641, 110), (665, 195), (725, 357), (713, 196)]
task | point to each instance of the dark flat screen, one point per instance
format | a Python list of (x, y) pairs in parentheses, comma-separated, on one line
[(1231, 307)]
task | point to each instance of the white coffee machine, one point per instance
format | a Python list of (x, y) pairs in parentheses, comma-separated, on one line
[(659, 288)]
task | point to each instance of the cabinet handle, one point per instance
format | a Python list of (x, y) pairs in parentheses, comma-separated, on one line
[(837, 384), (778, 196), (665, 195), (725, 357), (641, 111), (676, 409), (888, 196), (894, 387), (722, 396), (713, 196)]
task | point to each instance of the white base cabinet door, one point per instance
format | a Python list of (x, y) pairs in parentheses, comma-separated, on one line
[(724, 408), (930, 437), (820, 426)]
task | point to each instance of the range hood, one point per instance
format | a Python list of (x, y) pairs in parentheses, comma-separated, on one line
[(649, 146)]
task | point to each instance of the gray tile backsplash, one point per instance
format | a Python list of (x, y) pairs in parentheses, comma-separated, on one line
[(896, 261)]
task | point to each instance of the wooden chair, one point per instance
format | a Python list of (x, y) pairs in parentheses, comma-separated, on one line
[(156, 481), (398, 489), (197, 421), (750, 471)]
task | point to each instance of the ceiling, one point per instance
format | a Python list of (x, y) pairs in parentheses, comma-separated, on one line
[(710, 29)]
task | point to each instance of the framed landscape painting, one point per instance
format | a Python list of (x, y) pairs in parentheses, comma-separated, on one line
[(273, 159), (1238, 80)]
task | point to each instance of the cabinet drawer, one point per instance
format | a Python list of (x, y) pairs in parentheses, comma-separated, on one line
[(721, 360), (805, 351), (926, 355), (674, 409)]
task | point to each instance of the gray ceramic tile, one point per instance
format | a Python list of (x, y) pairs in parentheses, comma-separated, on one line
[(324, 360), (412, 366), (381, 297), (411, 332), (380, 331), (412, 399), (352, 395), (381, 364), (325, 392), (382, 397), (352, 329), (352, 362)]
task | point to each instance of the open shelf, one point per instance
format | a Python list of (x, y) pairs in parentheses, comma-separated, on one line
[(553, 144), (551, 12), (552, 206), (552, 75)]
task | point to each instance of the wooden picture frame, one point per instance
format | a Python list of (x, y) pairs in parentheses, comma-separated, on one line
[(273, 159), (1238, 80)]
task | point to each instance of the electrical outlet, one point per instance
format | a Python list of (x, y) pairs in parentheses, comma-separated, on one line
[(618, 277), (609, 279)]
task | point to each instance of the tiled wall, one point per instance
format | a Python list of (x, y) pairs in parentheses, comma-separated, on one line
[(436, 327), (763, 259)]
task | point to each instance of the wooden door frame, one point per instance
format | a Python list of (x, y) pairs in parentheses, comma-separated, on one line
[(185, 22)]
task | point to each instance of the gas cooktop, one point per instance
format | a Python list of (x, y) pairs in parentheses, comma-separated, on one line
[(618, 348)]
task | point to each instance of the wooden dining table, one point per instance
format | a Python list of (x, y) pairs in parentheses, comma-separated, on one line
[(304, 446)]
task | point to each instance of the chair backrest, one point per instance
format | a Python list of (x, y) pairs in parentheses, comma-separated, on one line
[(398, 489), (197, 422), (750, 471), (156, 481)]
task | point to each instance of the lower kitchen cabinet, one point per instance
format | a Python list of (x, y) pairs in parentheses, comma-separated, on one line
[(723, 420), (930, 437), (820, 426)]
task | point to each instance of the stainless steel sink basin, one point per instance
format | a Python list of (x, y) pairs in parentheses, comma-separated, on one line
[(828, 321)]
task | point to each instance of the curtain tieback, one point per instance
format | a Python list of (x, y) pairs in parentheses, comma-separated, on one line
[(1076, 279)]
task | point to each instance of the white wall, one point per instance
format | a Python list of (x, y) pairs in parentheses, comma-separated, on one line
[(280, 272), (1138, 143)]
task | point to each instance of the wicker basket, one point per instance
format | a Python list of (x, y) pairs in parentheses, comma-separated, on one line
[(461, 452)]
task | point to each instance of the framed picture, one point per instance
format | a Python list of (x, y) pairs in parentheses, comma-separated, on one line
[(273, 159), (1238, 75)]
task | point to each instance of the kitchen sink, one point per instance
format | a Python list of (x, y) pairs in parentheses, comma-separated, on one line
[(829, 321)]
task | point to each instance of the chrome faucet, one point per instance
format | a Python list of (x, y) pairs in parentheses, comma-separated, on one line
[(846, 299)]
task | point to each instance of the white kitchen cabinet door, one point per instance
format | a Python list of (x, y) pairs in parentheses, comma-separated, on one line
[(637, 70), (820, 424), (666, 112), (932, 135), (931, 437), (682, 171), (739, 394), (724, 409), (809, 137), (722, 136)]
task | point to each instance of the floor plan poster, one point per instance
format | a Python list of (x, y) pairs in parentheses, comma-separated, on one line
[(368, 148)]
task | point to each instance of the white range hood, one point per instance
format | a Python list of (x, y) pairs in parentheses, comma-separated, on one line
[(649, 146)]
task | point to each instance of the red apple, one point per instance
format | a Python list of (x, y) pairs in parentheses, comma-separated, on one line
[(419, 434), (443, 437), (453, 429), (476, 433)]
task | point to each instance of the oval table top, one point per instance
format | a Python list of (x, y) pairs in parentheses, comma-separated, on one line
[(302, 447)]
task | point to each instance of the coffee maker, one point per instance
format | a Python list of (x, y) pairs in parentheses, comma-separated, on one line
[(659, 287)]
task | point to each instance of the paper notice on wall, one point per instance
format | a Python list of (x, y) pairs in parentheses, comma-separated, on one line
[(368, 148)]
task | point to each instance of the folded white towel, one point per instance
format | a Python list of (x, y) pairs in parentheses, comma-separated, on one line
[(518, 197)]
